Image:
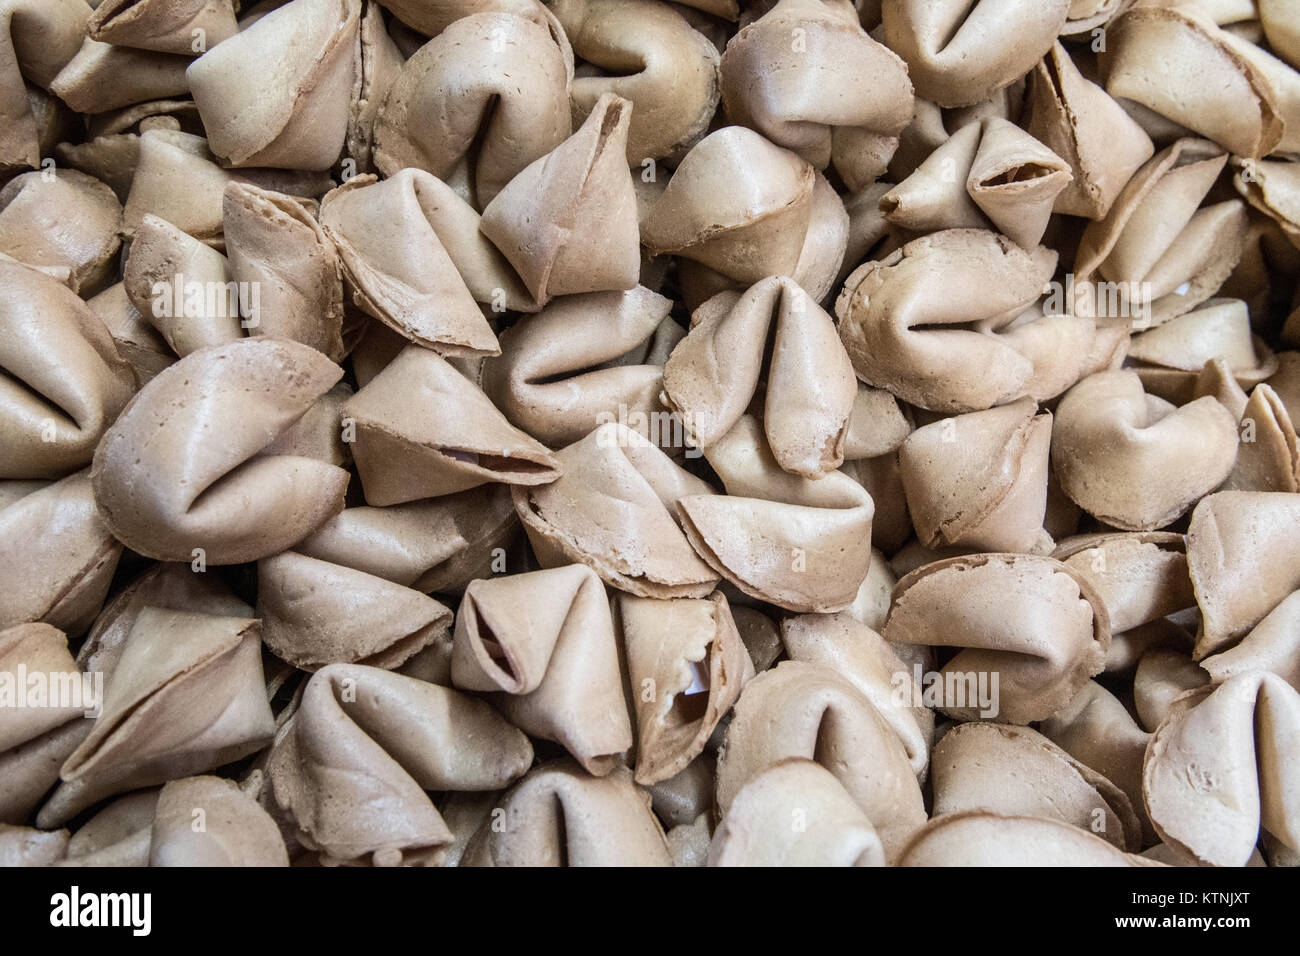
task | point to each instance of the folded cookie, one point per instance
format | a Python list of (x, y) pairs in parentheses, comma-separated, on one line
[(178, 179), (169, 587), (435, 544), (987, 173), (37, 39), (855, 651), (120, 834), (27, 846), (567, 221), (1273, 188), (1179, 64), (435, 115), (89, 217), (103, 77), (166, 26), (878, 424), (277, 246), (795, 814), (1162, 250), (1278, 18), (715, 373), (414, 259), (379, 60), (544, 645), (614, 508), (1219, 768), (1134, 460), (845, 103), (208, 821), (1243, 558), (959, 53), (560, 816), (737, 204), (1096, 729), (891, 525), (801, 544), (111, 152), (64, 380), (981, 838), (979, 480), (1031, 631), (1171, 357), (184, 288), (1271, 461), (165, 492), (1141, 576), (278, 92), (674, 87), (57, 558), (1217, 381), (187, 696), (686, 664), (423, 430), (316, 613), (1079, 121), (816, 267), (40, 726), (352, 765), (1273, 644), (955, 279), (1163, 675), (809, 711), (575, 365), (1016, 771)]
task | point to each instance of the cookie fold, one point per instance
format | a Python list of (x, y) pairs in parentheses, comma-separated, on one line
[(165, 490), (1031, 631), (614, 509), (544, 645), (773, 341), (423, 430), (279, 92), (352, 765)]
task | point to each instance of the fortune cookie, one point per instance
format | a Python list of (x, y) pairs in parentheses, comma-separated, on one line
[(808, 77), (674, 91), (172, 498), (560, 816), (433, 117), (1218, 768), (615, 509), (352, 765), (545, 643), (1134, 460), (807, 710), (988, 606)]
